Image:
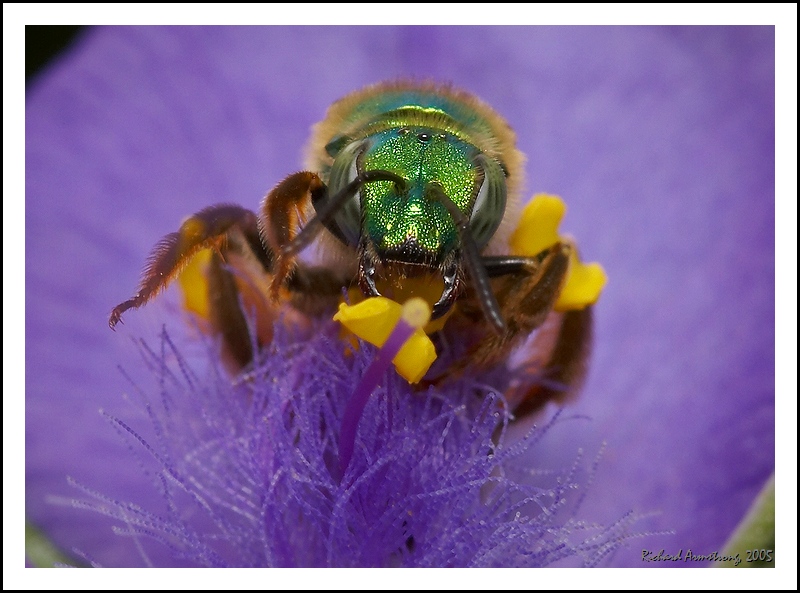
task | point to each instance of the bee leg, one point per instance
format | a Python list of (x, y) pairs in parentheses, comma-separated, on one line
[(290, 203), (208, 228), (528, 289), (240, 312), (565, 369), (282, 211), (525, 288), (226, 317), (233, 286)]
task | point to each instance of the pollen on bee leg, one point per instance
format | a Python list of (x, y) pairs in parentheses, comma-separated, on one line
[(409, 319), (194, 284)]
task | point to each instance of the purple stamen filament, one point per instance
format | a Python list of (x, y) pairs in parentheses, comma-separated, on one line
[(416, 314)]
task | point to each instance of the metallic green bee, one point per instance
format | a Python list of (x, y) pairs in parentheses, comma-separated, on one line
[(409, 191)]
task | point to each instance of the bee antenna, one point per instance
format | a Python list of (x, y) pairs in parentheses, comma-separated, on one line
[(334, 204), (472, 260)]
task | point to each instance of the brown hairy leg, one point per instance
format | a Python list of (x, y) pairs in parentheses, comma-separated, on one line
[(563, 371), (243, 276), (526, 289), (206, 229), (559, 353), (282, 212)]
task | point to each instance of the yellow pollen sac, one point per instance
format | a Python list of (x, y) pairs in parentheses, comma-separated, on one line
[(194, 284), (538, 230), (373, 319)]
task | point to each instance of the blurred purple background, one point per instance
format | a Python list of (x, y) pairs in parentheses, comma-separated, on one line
[(660, 140)]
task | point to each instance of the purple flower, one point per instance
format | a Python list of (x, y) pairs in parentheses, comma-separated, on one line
[(251, 473), (660, 140)]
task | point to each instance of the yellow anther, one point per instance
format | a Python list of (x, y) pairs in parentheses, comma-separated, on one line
[(538, 230), (373, 319), (584, 284), (538, 225)]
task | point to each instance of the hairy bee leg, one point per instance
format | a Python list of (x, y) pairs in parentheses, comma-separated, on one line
[(282, 211), (226, 316), (528, 287), (240, 311), (566, 368), (561, 373), (205, 229), (283, 208)]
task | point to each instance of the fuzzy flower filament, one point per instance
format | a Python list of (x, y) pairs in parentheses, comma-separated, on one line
[(250, 471)]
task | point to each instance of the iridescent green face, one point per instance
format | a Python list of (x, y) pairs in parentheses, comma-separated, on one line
[(411, 218), (409, 223)]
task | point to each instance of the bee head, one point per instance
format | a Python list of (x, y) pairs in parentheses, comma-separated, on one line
[(442, 193)]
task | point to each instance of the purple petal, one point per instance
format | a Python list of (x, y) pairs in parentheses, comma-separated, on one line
[(661, 141)]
